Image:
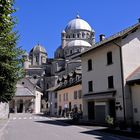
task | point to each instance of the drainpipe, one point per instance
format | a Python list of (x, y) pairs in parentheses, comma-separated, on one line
[(122, 77)]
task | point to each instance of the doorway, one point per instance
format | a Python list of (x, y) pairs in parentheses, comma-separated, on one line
[(20, 106), (112, 109), (91, 111)]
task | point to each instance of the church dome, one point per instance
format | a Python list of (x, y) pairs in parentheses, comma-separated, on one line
[(78, 24), (78, 43), (38, 48), (59, 53)]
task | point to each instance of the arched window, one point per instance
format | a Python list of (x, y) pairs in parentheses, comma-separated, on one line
[(36, 58), (73, 35), (83, 35), (87, 35), (70, 51), (35, 76), (78, 35)]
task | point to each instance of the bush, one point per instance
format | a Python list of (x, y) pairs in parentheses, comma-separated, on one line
[(109, 120)]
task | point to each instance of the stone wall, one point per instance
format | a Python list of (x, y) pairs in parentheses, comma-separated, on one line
[(4, 110)]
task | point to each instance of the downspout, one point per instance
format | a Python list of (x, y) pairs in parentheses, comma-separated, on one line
[(122, 77)]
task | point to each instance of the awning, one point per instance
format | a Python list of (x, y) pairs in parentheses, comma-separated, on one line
[(100, 95)]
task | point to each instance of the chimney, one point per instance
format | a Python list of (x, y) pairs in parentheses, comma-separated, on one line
[(139, 20), (102, 37)]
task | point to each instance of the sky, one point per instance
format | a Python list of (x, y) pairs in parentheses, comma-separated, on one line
[(42, 21)]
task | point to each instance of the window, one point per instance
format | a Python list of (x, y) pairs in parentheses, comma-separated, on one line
[(70, 51), (55, 95), (80, 94), (109, 58), (71, 80), (78, 35), (75, 94), (35, 76), (89, 64), (36, 59), (83, 35), (66, 96), (90, 86), (78, 50), (59, 98), (110, 82), (65, 82), (47, 86), (77, 77), (55, 105), (87, 35), (80, 106), (73, 35)]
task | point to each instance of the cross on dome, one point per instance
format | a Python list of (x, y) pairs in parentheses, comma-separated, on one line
[(77, 16)]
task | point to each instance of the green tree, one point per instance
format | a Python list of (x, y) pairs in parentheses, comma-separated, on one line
[(10, 55)]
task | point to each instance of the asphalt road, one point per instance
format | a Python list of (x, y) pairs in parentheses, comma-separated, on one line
[(37, 127)]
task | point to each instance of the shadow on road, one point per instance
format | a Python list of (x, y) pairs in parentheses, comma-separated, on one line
[(99, 136), (103, 133), (54, 122)]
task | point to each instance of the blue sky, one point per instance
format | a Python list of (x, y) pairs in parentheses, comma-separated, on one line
[(42, 21)]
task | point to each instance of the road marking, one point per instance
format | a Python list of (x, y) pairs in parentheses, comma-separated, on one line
[(14, 118), (35, 118), (30, 118)]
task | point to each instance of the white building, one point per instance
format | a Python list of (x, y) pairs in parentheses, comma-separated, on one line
[(105, 68), (27, 98)]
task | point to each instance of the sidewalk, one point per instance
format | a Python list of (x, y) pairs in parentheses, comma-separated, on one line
[(3, 124)]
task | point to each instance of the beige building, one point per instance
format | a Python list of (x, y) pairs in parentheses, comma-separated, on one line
[(105, 68), (68, 94), (134, 82), (70, 98)]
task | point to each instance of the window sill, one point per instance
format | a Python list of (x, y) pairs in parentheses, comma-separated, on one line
[(89, 70), (109, 64)]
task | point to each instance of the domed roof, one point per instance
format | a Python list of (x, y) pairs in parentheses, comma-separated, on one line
[(59, 49), (78, 24), (78, 43), (38, 48), (59, 52)]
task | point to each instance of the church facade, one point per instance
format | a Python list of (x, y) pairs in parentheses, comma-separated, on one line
[(77, 37)]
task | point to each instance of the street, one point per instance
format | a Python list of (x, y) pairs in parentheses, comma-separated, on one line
[(38, 127)]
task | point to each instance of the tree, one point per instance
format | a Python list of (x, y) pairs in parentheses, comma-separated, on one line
[(10, 55)]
